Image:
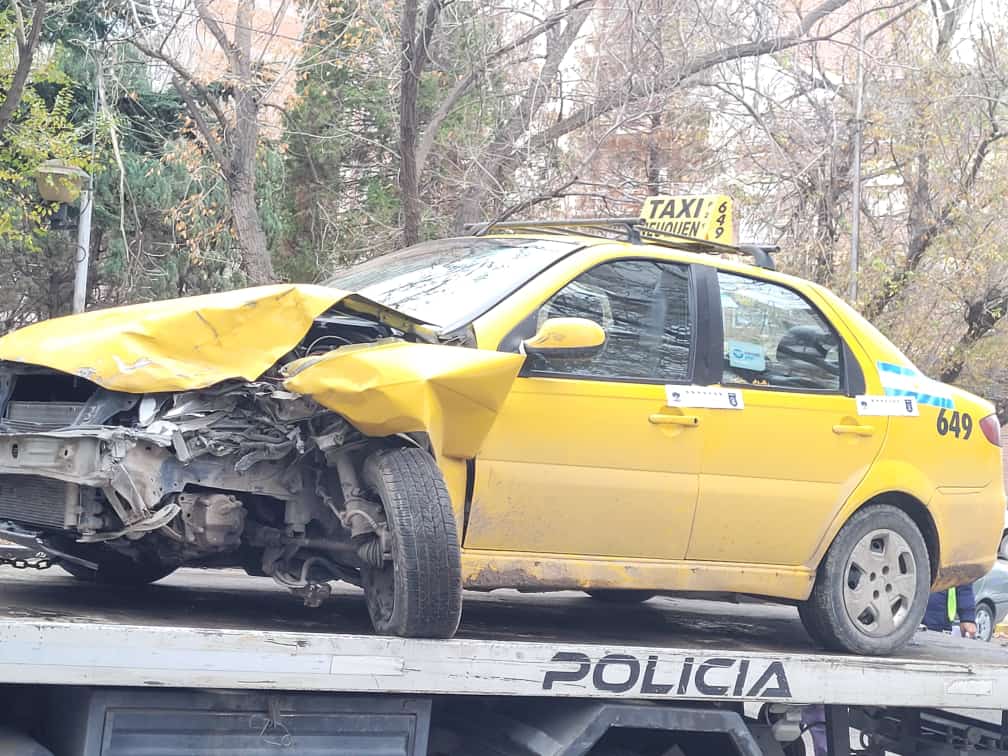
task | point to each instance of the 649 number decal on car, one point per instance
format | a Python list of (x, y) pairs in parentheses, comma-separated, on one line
[(959, 424)]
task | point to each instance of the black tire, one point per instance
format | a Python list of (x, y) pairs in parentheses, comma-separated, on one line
[(121, 572), (826, 615), (418, 594), (810, 620), (617, 596), (984, 621)]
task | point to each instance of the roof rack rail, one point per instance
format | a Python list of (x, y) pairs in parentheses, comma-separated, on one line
[(634, 231)]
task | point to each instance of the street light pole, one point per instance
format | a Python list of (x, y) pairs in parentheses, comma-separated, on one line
[(83, 251), (64, 184)]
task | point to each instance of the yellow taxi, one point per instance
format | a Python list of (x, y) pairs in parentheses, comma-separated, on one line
[(628, 407)]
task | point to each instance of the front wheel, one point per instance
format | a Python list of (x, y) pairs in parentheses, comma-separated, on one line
[(872, 587), (984, 621), (419, 592)]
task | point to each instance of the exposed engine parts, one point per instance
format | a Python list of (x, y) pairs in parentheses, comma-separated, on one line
[(241, 472), (211, 522)]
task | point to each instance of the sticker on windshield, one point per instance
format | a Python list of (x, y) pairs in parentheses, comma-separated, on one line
[(887, 406), (899, 380), (746, 356), (703, 397)]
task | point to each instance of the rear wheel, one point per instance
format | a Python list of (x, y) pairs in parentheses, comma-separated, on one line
[(872, 588), (810, 620), (984, 621), (419, 592), (617, 596)]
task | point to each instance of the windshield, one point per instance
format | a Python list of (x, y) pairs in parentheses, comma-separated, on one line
[(452, 280)]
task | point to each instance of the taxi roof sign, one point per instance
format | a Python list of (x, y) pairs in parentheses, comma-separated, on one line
[(697, 223), (706, 217)]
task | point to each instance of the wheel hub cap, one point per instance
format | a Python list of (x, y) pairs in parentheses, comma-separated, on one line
[(880, 583), (983, 622)]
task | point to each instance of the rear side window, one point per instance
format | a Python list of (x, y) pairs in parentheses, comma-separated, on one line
[(644, 308), (774, 338)]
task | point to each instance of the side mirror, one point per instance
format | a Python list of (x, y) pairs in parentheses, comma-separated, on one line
[(566, 337), (1003, 548)]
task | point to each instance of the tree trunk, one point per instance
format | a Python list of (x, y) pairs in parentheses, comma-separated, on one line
[(251, 238), (242, 175), (409, 85)]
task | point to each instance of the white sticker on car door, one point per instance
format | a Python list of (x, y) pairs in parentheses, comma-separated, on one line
[(703, 397), (887, 406)]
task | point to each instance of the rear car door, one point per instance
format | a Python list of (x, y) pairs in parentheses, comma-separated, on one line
[(774, 473), (585, 458)]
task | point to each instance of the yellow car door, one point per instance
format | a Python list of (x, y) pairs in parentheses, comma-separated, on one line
[(585, 458), (776, 471)]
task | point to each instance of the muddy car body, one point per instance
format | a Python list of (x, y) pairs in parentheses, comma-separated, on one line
[(523, 410)]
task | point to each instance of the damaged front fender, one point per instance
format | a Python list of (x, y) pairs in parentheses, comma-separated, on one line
[(451, 393)]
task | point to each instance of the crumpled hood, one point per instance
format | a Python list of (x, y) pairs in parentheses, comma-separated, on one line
[(184, 344), (451, 393)]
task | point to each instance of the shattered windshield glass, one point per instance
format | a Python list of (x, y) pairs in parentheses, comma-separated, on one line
[(451, 280)]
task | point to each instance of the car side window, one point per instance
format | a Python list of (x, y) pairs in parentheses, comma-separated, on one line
[(643, 306), (775, 338)]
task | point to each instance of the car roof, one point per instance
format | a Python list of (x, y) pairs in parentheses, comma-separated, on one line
[(680, 251)]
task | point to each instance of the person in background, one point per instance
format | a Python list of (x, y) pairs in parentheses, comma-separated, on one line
[(956, 605)]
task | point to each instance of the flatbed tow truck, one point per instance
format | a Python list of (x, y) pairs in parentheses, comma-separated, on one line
[(214, 662)]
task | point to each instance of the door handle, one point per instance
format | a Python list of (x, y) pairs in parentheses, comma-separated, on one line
[(854, 430), (660, 418)]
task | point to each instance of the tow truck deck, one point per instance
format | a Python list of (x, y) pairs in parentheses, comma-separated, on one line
[(204, 629)]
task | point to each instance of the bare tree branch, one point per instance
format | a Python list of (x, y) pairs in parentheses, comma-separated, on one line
[(27, 43), (426, 35), (229, 48), (188, 77), (615, 99), (924, 234), (467, 82), (209, 138), (502, 147)]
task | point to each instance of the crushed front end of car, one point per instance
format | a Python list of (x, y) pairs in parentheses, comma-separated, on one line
[(263, 428)]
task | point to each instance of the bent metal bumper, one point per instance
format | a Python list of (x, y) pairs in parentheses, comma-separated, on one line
[(30, 544), (124, 464)]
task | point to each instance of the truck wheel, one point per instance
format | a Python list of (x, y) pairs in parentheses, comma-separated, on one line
[(418, 593), (872, 588), (984, 621), (122, 572), (617, 596)]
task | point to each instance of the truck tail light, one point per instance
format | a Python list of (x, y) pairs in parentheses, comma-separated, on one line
[(991, 428)]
